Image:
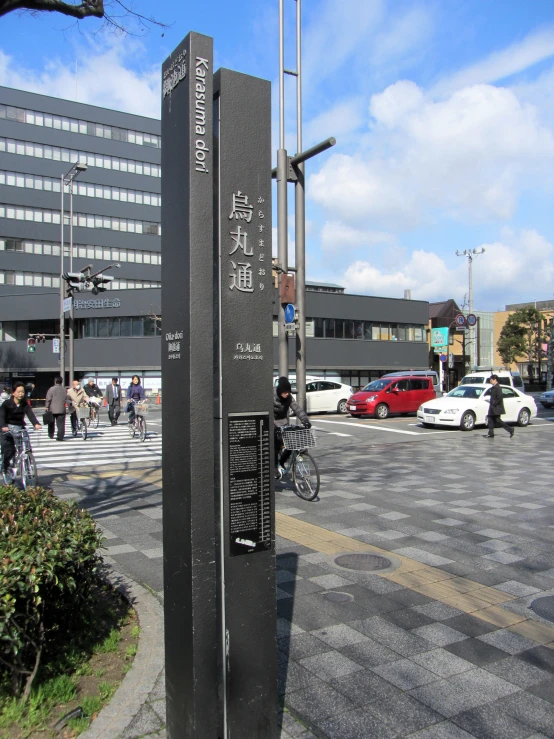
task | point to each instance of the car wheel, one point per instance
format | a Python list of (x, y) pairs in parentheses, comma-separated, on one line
[(427, 425), (468, 421), (524, 417), (342, 407), (382, 411)]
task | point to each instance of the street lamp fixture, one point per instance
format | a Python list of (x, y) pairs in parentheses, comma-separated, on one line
[(470, 255)]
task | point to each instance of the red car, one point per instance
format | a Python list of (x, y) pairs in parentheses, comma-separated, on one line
[(391, 395)]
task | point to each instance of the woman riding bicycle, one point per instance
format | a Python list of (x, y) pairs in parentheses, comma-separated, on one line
[(12, 422), (135, 393), (283, 405)]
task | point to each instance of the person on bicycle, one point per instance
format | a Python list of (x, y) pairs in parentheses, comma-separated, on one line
[(283, 405), (79, 399), (93, 392), (12, 421), (135, 394)]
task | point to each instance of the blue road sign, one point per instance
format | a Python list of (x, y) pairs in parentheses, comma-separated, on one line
[(289, 313), (443, 357)]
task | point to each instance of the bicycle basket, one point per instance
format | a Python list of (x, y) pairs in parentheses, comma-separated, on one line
[(83, 412), (298, 438), (141, 409)]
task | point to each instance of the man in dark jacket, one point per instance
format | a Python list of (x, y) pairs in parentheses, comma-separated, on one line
[(283, 406), (56, 398), (113, 399), (496, 409)]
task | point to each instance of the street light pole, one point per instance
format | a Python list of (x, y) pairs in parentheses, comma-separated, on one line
[(470, 255), (282, 227), (300, 226), (67, 181), (62, 313)]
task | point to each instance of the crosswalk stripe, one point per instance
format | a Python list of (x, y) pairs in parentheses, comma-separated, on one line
[(104, 445)]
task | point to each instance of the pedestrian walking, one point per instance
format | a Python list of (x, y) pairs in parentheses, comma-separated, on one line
[(113, 399), (496, 409), (78, 399), (56, 399), (5, 394)]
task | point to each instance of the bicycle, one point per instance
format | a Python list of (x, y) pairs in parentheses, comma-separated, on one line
[(94, 416), (305, 472), (83, 415), (138, 425), (23, 465)]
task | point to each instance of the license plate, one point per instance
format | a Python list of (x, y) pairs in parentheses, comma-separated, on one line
[(429, 419), (352, 407)]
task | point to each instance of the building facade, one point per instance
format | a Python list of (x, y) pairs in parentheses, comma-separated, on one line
[(116, 220)]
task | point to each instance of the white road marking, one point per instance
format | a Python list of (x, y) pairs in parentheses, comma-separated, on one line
[(369, 428)]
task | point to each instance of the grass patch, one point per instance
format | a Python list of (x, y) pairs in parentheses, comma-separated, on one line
[(85, 672)]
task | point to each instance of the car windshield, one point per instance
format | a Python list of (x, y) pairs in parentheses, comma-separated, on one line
[(466, 392), (376, 385), (472, 381)]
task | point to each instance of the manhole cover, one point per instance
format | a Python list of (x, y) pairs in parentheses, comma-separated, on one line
[(544, 607), (363, 562), (338, 597)]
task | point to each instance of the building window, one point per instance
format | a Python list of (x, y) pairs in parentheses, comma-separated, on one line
[(61, 123)]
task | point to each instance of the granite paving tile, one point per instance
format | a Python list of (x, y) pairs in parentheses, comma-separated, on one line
[(470, 625), (330, 664), (407, 618), (302, 645), (370, 653), (519, 673), (339, 636), (356, 724), (438, 611), (540, 657), (543, 690), (318, 701), (439, 634), (508, 641), (444, 730), (364, 687), (405, 674), (476, 651), (490, 722), (403, 715), (531, 711), (442, 663)]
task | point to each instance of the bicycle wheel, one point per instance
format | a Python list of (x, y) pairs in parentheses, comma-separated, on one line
[(94, 418), (305, 475), (142, 428), (83, 428), (28, 471), (132, 429)]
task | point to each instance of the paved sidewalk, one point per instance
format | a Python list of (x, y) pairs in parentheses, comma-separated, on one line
[(441, 645)]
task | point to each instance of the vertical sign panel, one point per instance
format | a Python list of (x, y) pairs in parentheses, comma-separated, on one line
[(247, 549), (187, 361)]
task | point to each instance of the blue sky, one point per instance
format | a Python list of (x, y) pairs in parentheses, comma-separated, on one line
[(443, 113)]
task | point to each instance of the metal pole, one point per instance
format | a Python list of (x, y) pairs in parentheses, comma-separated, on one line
[(62, 315), (471, 328), (282, 214), (300, 227), (71, 326)]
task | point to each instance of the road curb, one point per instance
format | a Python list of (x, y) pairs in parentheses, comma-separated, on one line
[(148, 664)]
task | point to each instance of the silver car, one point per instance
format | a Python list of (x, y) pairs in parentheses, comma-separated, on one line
[(547, 399)]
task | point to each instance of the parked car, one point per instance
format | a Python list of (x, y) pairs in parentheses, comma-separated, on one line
[(467, 406), (391, 395), (547, 399), (505, 377), (327, 396)]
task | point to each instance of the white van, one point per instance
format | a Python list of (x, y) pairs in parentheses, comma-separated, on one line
[(505, 377)]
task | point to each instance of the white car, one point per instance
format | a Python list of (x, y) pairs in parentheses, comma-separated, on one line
[(326, 395), (467, 406)]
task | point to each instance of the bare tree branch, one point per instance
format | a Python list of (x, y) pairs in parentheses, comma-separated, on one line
[(114, 12)]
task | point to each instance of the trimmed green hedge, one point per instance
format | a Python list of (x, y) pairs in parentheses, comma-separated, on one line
[(48, 562)]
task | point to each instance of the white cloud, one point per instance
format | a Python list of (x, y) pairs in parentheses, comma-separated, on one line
[(499, 65), (469, 155), (336, 237), (108, 75), (505, 273)]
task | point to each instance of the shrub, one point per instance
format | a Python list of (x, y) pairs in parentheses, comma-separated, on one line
[(48, 564)]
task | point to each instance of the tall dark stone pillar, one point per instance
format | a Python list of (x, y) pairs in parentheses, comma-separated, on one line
[(244, 433), (187, 365)]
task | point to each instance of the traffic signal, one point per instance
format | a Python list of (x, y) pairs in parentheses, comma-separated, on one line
[(76, 281), (98, 282), (31, 345)]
